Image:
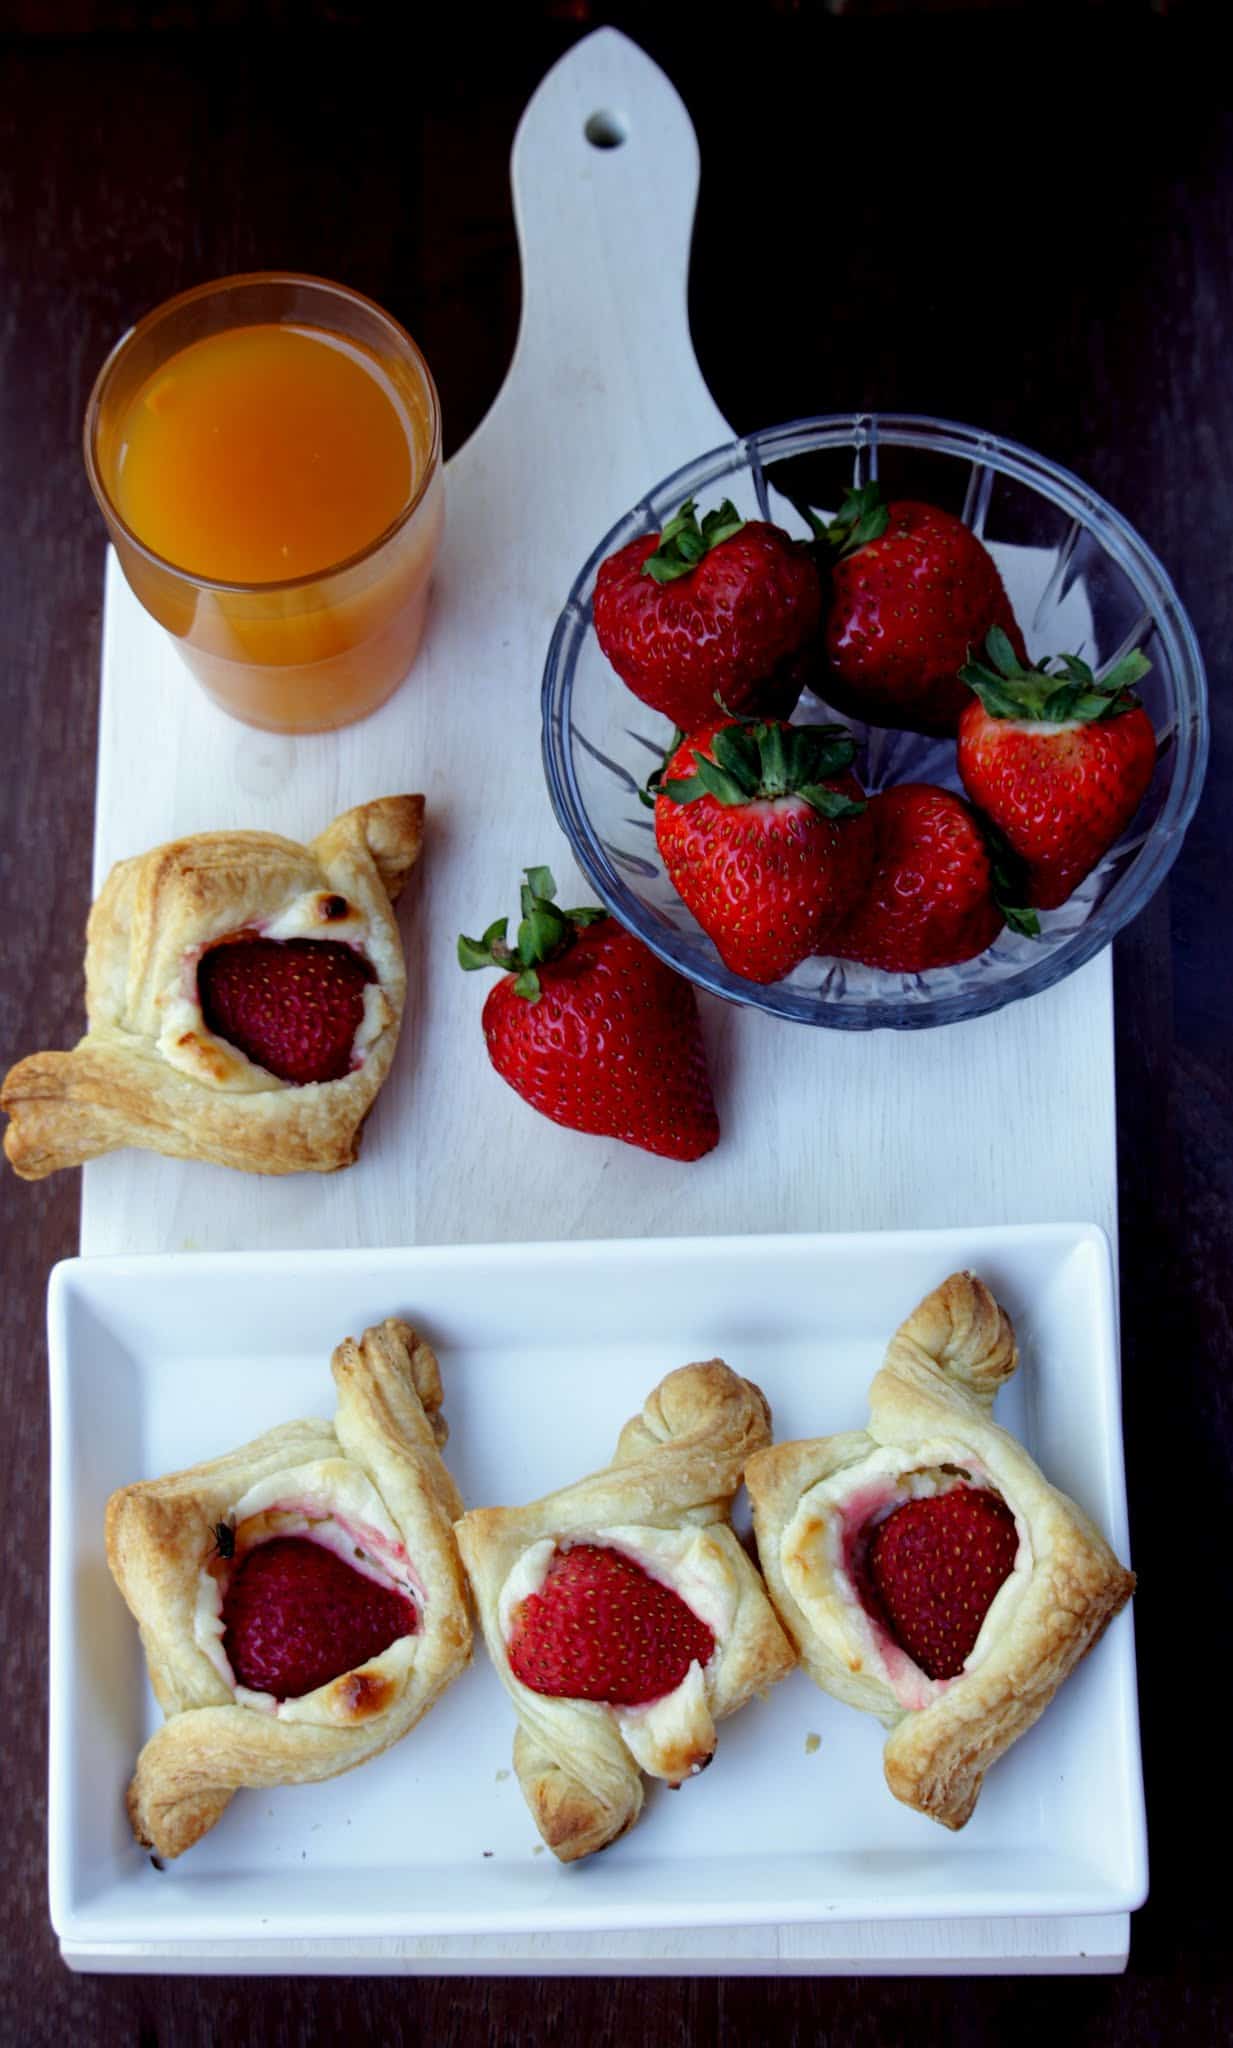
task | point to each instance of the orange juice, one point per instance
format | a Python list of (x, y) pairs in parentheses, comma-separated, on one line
[(266, 452)]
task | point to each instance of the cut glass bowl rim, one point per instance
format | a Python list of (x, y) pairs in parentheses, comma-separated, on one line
[(990, 455)]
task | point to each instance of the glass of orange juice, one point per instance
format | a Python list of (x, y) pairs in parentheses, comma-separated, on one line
[(266, 451)]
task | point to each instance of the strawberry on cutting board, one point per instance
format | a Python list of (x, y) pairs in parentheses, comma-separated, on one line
[(935, 1565), (601, 1628), (935, 896), (762, 833), (292, 1006), (1058, 760), (296, 1615), (722, 613), (591, 1029), (911, 592)]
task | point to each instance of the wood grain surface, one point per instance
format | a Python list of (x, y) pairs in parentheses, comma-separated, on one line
[(1077, 294)]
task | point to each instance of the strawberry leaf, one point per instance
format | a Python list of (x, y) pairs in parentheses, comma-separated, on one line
[(1060, 690), (1002, 654), (1008, 880), (544, 933), (723, 787), (683, 789), (818, 751), (474, 953), (760, 760), (832, 803), (736, 752), (648, 794), (1125, 673), (684, 543), (1077, 670), (863, 516), (1073, 701), (541, 932)]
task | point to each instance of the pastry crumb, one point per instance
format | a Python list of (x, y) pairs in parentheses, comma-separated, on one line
[(538, 1850), (502, 1776), (813, 1743)]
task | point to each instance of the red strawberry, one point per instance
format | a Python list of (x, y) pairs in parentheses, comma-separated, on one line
[(292, 1006), (936, 1564), (912, 592), (761, 830), (601, 1628), (592, 1030), (1059, 761), (295, 1616), (932, 898), (728, 610)]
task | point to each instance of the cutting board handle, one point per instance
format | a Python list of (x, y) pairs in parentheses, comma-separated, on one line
[(605, 175)]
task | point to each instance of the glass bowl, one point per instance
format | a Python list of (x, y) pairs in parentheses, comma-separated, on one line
[(1081, 580)]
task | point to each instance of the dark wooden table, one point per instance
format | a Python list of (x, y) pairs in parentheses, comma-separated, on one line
[(1059, 269)]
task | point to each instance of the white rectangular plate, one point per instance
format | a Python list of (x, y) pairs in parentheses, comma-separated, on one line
[(159, 1362)]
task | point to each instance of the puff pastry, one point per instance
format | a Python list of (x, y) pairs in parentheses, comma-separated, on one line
[(150, 1071), (664, 1502), (373, 1489), (817, 1506)]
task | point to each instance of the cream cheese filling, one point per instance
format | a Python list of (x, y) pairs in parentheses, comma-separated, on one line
[(185, 1040), (695, 1567), (820, 1545), (331, 1502)]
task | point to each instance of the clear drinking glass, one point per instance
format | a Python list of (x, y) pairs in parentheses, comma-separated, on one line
[(322, 649)]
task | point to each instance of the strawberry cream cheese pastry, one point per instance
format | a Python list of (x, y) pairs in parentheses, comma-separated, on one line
[(925, 1568), (244, 996), (300, 1600), (622, 1614)]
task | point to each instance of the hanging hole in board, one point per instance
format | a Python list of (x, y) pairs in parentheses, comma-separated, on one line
[(604, 129)]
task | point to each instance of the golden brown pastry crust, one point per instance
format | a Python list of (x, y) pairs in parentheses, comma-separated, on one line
[(666, 1497), (148, 1071), (930, 1423), (386, 1436)]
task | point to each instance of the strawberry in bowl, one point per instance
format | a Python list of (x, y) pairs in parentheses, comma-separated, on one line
[(1058, 760), (722, 612), (940, 887), (912, 589), (760, 826), (1047, 552)]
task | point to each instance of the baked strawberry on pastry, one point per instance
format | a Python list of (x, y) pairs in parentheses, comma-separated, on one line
[(244, 996), (924, 1566), (301, 1602), (622, 1614), (721, 615)]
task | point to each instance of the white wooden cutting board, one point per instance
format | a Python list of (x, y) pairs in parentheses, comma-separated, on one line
[(1008, 1119)]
